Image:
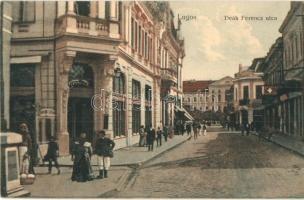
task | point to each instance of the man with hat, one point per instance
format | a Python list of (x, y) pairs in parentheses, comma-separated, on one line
[(104, 150)]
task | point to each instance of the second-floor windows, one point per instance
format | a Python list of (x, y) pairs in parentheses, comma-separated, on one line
[(245, 92), (82, 8), (24, 11), (258, 91)]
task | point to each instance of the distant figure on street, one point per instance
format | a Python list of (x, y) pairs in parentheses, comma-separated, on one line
[(199, 127), (195, 130), (247, 129), (204, 130), (142, 136), (81, 155), (166, 133), (188, 128), (151, 138), (243, 129), (104, 150), (52, 155), (159, 136)]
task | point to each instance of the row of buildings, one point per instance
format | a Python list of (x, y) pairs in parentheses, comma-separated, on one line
[(269, 93), (275, 98), (82, 66)]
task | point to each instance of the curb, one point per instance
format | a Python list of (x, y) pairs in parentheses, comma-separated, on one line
[(281, 145), (136, 164)]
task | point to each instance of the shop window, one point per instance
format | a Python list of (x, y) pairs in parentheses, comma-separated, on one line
[(22, 75), (118, 118), (119, 83), (258, 91), (136, 118)]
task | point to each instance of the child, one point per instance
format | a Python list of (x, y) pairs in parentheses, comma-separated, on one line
[(25, 165), (52, 154)]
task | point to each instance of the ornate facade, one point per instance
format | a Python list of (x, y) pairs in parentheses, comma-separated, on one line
[(93, 65)]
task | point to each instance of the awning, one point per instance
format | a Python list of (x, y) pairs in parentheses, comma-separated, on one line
[(184, 113)]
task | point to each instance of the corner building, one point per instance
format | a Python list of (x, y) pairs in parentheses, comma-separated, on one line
[(83, 66)]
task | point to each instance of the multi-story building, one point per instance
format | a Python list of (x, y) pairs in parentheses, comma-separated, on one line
[(291, 92), (5, 38), (273, 78), (82, 66), (248, 91), (196, 95), (218, 91), (207, 95)]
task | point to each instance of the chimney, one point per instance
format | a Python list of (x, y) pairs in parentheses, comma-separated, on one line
[(240, 67)]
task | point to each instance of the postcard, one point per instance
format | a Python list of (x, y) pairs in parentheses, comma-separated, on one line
[(152, 99)]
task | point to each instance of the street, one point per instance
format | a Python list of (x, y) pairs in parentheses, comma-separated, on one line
[(220, 165)]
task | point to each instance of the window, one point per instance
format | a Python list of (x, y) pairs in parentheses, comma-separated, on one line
[(139, 40), (24, 11), (148, 105), (135, 89), (22, 75), (188, 99), (258, 91), (118, 117), (236, 94), (82, 8), (219, 98), (119, 83), (136, 106), (245, 92), (136, 37), (132, 33), (194, 99)]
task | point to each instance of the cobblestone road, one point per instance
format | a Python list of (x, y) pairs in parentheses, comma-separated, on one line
[(220, 165)]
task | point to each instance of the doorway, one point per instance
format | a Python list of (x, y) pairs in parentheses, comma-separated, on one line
[(80, 118)]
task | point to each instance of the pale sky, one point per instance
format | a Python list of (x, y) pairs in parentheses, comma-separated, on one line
[(214, 46)]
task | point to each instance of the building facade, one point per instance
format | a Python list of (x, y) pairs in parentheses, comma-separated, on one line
[(248, 91), (196, 95), (5, 37), (290, 92), (90, 65)]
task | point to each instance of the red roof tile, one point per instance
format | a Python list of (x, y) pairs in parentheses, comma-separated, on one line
[(193, 86)]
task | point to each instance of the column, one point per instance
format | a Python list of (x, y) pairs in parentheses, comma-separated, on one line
[(64, 63), (93, 14)]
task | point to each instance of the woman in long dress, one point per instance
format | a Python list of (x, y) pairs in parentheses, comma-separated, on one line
[(81, 155)]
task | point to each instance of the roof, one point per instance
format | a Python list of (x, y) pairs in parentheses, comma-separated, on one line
[(194, 86)]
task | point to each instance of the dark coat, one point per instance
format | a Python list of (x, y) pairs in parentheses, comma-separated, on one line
[(104, 146), (52, 151), (151, 135)]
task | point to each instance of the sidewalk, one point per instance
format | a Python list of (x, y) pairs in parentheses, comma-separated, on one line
[(61, 186), (133, 155), (287, 142)]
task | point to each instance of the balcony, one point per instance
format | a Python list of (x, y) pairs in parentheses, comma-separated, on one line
[(82, 25), (169, 74)]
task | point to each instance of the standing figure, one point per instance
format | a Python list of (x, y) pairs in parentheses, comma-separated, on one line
[(188, 127), (243, 128), (104, 150), (166, 133), (142, 136), (159, 136), (247, 129), (150, 138), (199, 127), (52, 154), (81, 155), (204, 130), (25, 150)]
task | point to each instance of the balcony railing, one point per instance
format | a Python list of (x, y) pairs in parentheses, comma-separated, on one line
[(168, 74), (82, 25)]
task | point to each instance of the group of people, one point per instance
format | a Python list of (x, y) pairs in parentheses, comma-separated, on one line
[(197, 128), (148, 135)]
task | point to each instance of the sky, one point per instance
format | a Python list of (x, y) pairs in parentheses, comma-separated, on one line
[(215, 44)]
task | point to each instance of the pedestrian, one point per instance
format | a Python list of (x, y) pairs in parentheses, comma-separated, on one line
[(247, 129), (142, 136), (104, 150), (199, 128), (159, 136), (52, 155), (204, 130), (150, 138), (195, 129), (165, 133), (25, 150), (188, 128), (243, 128), (81, 157)]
